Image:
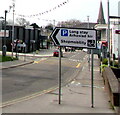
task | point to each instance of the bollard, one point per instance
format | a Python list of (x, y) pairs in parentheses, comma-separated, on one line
[(4, 50)]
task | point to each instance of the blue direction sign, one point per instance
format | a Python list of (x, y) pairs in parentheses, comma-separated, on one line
[(74, 37)]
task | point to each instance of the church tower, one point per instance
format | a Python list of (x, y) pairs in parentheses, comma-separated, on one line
[(101, 19)]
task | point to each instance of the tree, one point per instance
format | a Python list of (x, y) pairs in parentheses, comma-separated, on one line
[(35, 25), (69, 23), (49, 27), (22, 22)]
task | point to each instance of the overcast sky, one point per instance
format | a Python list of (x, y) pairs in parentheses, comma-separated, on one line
[(73, 9)]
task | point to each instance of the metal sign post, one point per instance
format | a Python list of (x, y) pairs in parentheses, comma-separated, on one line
[(92, 80), (60, 75)]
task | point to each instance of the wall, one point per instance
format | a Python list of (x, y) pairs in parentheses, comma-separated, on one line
[(111, 86)]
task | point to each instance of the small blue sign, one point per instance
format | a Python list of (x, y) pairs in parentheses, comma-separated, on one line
[(64, 32)]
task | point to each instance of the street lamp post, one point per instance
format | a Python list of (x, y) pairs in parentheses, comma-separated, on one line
[(4, 41), (13, 26), (108, 33), (88, 49)]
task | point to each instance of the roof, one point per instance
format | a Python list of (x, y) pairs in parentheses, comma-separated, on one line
[(101, 19), (101, 26), (86, 24)]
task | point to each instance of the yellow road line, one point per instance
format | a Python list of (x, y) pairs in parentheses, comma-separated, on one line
[(27, 97), (78, 65), (37, 61), (40, 60)]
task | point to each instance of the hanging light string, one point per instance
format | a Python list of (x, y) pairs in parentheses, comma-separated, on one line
[(42, 13)]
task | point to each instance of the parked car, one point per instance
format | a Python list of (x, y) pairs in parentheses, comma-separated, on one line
[(56, 53)]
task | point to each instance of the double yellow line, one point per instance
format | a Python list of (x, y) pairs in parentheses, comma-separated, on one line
[(5, 104)]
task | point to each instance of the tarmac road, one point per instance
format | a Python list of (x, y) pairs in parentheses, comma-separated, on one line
[(40, 76), (76, 95)]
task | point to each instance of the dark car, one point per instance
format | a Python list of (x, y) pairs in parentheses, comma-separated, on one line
[(56, 53)]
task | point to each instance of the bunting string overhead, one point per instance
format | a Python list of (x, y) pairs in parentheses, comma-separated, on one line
[(42, 13)]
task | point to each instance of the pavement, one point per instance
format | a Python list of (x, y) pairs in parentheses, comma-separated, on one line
[(24, 58), (76, 96)]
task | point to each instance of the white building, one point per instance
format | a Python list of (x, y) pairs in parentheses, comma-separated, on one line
[(115, 34), (119, 29), (114, 39)]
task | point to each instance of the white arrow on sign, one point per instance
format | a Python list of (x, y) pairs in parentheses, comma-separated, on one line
[(74, 37)]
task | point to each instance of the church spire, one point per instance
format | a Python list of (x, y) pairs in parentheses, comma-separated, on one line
[(101, 19)]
